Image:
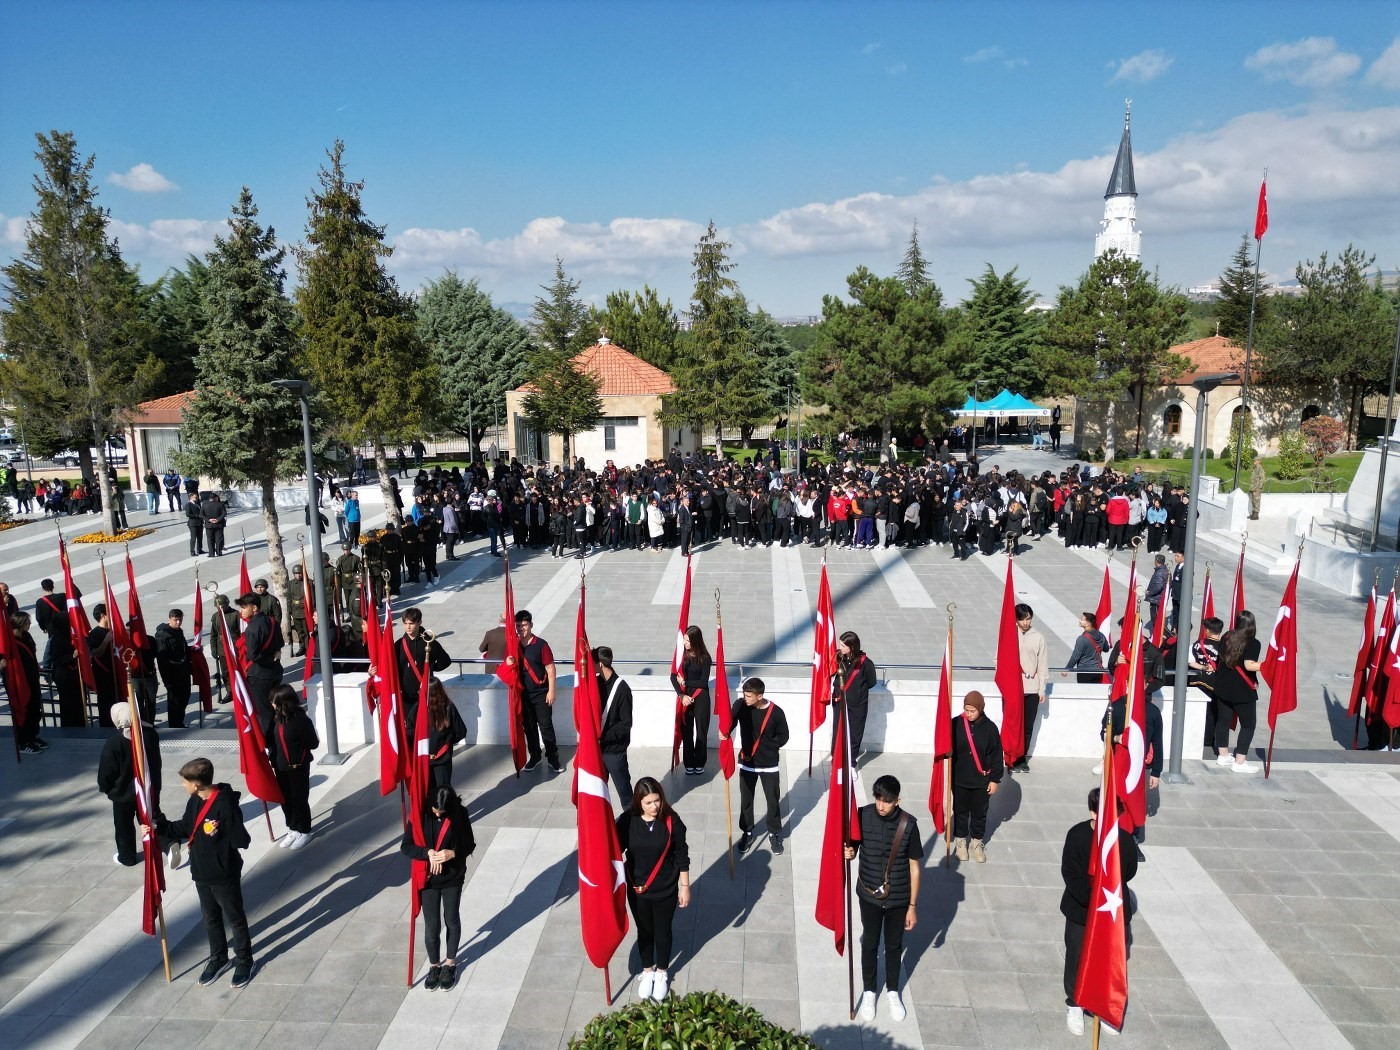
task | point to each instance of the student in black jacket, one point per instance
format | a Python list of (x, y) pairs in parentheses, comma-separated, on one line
[(887, 885), (657, 861), (213, 828), (447, 830), (692, 688), (616, 720), (855, 675), (1074, 903), (290, 743), (977, 772), (763, 730), (445, 731), (173, 662), (116, 779)]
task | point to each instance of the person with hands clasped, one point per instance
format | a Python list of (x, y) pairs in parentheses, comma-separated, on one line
[(977, 773), (449, 829), (657, 861), (692, 688), (887, 885)]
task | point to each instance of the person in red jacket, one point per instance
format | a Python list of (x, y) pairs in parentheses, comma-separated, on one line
[(1118, 512), (838, 511)]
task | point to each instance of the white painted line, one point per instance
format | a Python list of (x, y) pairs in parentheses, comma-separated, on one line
[(792, 612), (908, 592), (671, 589), (1119, 567), (1248, 993), (462, 573), (1373, 793), (556, 593), (1051, 614)]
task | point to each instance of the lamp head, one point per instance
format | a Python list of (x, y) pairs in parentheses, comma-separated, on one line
[(300, 387), (1206, 383)]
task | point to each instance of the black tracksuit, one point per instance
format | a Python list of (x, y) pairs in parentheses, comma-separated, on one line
[(1074, 903), (441, 896), (616, 720), (291, 744), (761, 737), (854, 680), (216, 867), (644, 846), (695, 719), (116, 779), (970, 798), (441, 741)]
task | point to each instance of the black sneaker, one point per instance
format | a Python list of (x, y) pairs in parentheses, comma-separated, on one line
[(745, 842), (41, 743), (212, 969), (242, 974), (556, 766), (776, 842), (449, 977), (30, 749), (534, 763), (434, 979)]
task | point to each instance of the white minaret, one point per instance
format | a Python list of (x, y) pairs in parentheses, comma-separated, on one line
[(1119, 227)]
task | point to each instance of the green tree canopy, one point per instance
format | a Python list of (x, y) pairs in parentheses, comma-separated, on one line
[(1112, 333), (565, 399), (1237, 287), (175, 308), (642, 324), (913, 268), (75, 327), (561, 324), (481, 352), (996, 337)]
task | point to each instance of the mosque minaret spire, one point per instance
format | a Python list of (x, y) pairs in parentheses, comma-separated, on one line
[(1119, 227)]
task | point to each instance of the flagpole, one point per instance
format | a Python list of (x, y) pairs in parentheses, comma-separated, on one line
[(607, 984), (1097, 1022), (948, 759), (139, 752), (846, 791), (1238, 433), (268, 815), (812, 735), (728, 805)]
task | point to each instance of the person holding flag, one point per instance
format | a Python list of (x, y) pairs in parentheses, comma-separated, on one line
[(855, 677), (116, 780), (260, 656), (616, 721), (1035, 670), (692, 685), (448, 827), (291, 742), (657, 863), (763, 730), (887, 884), (20, 665), (977, 773), (536, 674), (1237, 689), (173, 662)]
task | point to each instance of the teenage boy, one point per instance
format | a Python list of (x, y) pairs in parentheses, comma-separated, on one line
[(213, 828), (763, 730)]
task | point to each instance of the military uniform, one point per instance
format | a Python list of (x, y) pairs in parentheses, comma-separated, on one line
[(348, 568), (391, 549), (296, 608)]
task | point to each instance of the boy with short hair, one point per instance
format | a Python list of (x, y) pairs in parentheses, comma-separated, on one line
[(1205, 653), (213, 828), (763, 730)]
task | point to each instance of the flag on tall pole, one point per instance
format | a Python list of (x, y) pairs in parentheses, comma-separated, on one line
[(602, 882), (1008, 675), (199, 662), (1363, 659), (1104, 612), (121, 641), (17, 682), (147, 806), (1207, 607), (1237, 596), (78, 624), (252, 748), (842, 827), (942, 740), (509, 673), (393, 745), (135, 617), (1133, 766), (1101, 985), (308, 603), (678, 670), (823, 655), (724, 715), (1280, 665), (1261, 212), (418, 776), (245, 582), (1376, 677)]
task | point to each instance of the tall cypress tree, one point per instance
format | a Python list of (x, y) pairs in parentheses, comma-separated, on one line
[(913, 268), (1237, 285), (75, 328), (362, 348), (238, 427), (995, 339)]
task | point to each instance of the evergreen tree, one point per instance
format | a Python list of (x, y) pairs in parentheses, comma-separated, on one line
[(881, 359), (561, 324), (565, 399), (718, 378), (1112, 334), (176, 310), (777, 365), (641, 324), (1237, 286), (481, 352), (74, 329), (239, 428), (996, 338), (913, 268), (362, 348)]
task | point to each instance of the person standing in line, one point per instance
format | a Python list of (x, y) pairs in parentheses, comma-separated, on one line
[(104, 671), (657, 863), (1174, 589), (171, 483), (1237, 690), (152, 491), (493, 645), (1086, 658), (450, 530), (1074, 902), (692, 688), (616, 722), (173, 663), (25, 662), (1035, 669), (448, 831), (142, 671), (445, 731), (537, 685), (352, 517), (1205, 655), (349, 568), (1156, 592), (977, 773), (213, 829), (194, 522), (215, 514), (260, 653), (763, 730), (116, 780), (419, 657), (887, 886), (855, 677), (292, 741)]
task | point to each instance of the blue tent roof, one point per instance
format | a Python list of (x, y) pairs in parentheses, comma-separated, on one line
[(1004, 404)]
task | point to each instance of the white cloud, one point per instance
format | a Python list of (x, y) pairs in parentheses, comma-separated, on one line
[(12, 228), (898, 69), (165, 240), (997, 55), (143, 178), (870, 49), (1142, 67), (1385, 70), (1311, 62)]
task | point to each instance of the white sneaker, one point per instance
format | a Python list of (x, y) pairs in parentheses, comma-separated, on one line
[(866, 1010), (660, 986), (645, 980), (174, 855), (896, 1005), (1225, 759), (286, 840), (302, 838), (1107, 1029), (1241, 767), (1074, 1020), (1097, 770)]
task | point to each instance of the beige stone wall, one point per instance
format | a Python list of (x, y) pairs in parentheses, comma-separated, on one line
[(644, 406)]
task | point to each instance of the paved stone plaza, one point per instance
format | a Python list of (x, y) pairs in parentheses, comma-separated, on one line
[(1268, 910)]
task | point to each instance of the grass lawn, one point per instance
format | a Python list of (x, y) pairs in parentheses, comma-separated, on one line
[(1341, 468)]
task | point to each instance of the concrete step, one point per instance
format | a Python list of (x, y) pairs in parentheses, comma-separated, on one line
[(1274, 560)]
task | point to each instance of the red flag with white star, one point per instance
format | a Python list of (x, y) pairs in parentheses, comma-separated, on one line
[(1280, 665), (842, 826), (1363, 656), (1008, 676), (942, 740), (823, 655), (1101, 986)]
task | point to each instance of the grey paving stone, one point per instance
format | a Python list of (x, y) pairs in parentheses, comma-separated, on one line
[(176, 1033), (235, 1035), (303, 1035), (352, 1036), (118, 1033)]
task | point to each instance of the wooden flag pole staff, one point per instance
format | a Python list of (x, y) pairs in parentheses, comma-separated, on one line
[(728, 805), (948, 770), (140, 752), (1269, 754), (812, 736), (845, 760)]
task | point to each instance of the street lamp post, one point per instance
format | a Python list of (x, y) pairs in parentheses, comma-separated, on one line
[(1204, 385), (302, 389), (975, 384)]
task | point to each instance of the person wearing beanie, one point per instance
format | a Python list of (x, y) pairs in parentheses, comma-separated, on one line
[(116, 779), (977, 772)]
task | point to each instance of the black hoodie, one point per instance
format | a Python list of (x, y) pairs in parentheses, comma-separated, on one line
[(215, 841)]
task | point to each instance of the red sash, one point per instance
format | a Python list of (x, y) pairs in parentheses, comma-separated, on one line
[(859, 664), (660, 861), (971, 747), (759, 738), (202, 814), (442, 832)]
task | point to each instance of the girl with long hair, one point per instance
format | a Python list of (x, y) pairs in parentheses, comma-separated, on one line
[(657, 863), (855, 675), (445, 731), (1237, 687), (447, 832), (692, 687), (292, 740)]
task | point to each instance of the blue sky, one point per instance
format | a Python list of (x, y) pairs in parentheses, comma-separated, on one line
[(494, 136)]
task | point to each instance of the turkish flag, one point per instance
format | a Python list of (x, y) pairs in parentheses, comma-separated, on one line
[(1237, 598), (1377, 668), (245, 582), (823, 655), (199, 662), (1008, 675), (677, 660), (508, 671), (1261, 213), (308, 603), (16, 681), (252, 749), (133, 608), (724, 713), (1104, 613), (153, 874), (602, 882), (1363, 656), (1101, 986), (78, 624), (121, 643), (842, 827), (393, 747), (1280, 665), (942, 740), (1132, 755), (1207, 608)]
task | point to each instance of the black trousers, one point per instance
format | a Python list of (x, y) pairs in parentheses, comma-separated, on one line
[(695, 732), (1247, 716), (440, 771), (449, 542), (747, 782), (856, 714), (124, 824), (685, 536), (654, 916), (225, 920), (1030, 709), (260, 688), (970, 811), (538, 717), (441, 907), (214, 540), (1074, 944), (196, 539), (177, 691), (877, 922), (296, 796), (615, 762)]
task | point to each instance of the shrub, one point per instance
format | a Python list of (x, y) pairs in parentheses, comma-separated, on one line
[(1209, 453), (1167, 452), (1293, 458), (698, 1021), (1324, 436), (1097, 455)]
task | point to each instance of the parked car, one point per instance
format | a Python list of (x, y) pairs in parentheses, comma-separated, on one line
[(13, 453), (116, 454)]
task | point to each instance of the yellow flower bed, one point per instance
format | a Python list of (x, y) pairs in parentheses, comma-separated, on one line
[(106, 537), (16, 523)]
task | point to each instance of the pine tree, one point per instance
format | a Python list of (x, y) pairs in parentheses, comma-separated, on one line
[(238, 427), (995, 337), (362, 349), (1237, 286), (176, 310), (481, 352), (641, 324), (75, 328), (564, 399), (777, 365), (913, 268), (1112, 334), (561, 324)]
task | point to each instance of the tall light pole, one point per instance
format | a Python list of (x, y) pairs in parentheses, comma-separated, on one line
[(975, 384), (1204, 385), (302, 389)]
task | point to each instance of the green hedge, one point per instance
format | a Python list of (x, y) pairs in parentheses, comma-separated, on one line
[(698, 1021)]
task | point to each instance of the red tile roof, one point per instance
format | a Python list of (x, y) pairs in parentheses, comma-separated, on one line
[(169, 409), (1213, 354), (621, 373)]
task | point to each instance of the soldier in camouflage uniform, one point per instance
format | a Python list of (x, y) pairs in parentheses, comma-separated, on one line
[(216, 641), (296, 608), (348, 569)]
